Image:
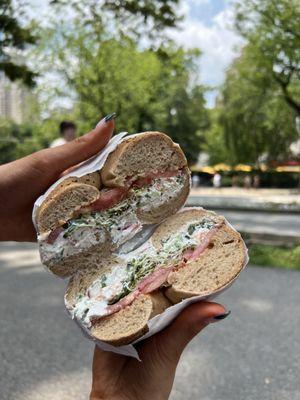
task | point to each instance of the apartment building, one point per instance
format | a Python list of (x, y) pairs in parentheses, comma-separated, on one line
[(12, 99)]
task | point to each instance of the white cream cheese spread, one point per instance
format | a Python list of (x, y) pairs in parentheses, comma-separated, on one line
[(122, 279), (120, 221)]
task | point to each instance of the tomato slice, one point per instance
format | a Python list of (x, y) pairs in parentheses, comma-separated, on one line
[(109, 198)]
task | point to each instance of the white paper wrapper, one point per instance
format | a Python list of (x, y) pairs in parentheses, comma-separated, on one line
[(159, 322)]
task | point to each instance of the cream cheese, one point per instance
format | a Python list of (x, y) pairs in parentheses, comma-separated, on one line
[(123, 278), (81, 239), (160, 191), (98, 295), (120, 221)]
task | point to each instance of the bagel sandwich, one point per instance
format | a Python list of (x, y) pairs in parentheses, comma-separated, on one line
[(193, 253), (143, 181)]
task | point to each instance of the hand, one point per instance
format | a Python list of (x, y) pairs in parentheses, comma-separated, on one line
[(24, 180), (118, 377)]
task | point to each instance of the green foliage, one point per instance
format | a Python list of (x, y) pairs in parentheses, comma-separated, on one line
[(126, 17), (271, 256), (13, 36), (17, 141), (260, 98), (162, 12), (189, 122), (272, 28), (214, 144), (255, 118), (148, 89), (115, 77), (115, 57)]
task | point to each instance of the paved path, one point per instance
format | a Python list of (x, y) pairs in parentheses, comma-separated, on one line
[(260, 222), (271, 194), (284, 200), (253, 355)]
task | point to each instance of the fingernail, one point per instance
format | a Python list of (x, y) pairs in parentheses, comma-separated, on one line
[(109, 117), (222, 316), (218, 317)]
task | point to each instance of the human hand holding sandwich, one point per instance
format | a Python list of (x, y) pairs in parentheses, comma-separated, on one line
[(24, 180), (114, 376), (118, 377)]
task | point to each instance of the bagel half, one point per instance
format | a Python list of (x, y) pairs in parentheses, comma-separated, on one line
[(139, 154), (193, 253), (146, 179)]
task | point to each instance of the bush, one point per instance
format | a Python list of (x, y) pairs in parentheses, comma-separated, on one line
[(19, 140), (272, 256)]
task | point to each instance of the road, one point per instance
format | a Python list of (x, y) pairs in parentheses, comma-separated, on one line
[(253, 355)]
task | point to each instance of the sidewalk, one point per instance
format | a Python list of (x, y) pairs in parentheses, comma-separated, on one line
[(253, 355), (282, 200), (273, 228), (267, 194)]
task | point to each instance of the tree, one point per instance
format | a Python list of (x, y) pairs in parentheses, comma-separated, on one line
[(215, 144), (149, 91), (19, 140), (271, 27), (14, 37), (254, 115), (104, 70), (127, 17)]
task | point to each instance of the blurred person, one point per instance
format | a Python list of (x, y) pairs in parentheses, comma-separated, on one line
[(234, 181), (67, 131), (195, 180), (247, 181), (256, 181), (114, 376), (217, 180)]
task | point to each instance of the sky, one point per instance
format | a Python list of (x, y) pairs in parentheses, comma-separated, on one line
[(208, 25)]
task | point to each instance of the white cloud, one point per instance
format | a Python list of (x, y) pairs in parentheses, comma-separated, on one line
[(218, 43), (194, 3)]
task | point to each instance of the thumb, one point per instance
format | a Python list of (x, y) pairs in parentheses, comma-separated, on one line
[(170, 343), (58, 159)]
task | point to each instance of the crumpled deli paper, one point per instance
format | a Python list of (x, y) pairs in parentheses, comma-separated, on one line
[(158, 322)]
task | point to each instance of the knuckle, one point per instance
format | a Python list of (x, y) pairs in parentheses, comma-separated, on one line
[(41, 160), (82, 145), (81, 140)]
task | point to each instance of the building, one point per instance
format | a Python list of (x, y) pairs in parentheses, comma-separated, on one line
[(12, 99)]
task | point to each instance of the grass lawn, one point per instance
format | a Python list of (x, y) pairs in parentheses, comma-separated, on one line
[(275, 256)]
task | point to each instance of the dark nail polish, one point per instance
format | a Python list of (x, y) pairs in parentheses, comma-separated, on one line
[(109, 117), (222, 316)]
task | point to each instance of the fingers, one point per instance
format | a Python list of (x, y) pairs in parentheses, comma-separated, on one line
[(104, 359), (106, 370), (170, 343), (62, 157)]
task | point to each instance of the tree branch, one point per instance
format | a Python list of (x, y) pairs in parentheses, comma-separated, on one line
[(271, 19), (287, 96)]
